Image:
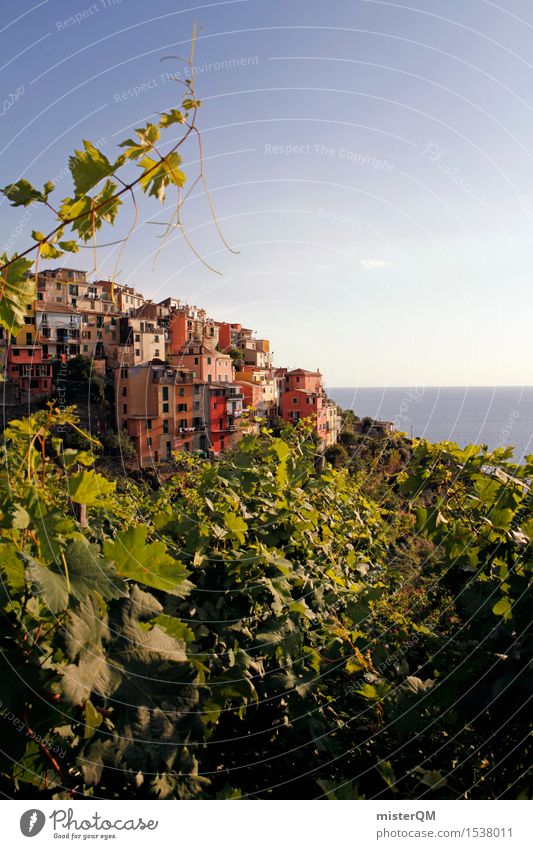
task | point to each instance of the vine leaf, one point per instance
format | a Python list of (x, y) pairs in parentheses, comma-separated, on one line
[(157, 177), (88, 573), (147, 563), (236, 526), (23, 193), (88, 487), (88, 167), (17, 290), (90, 212), (174, 116)]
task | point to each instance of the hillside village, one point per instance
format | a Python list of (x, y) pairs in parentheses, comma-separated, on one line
[(182, 380)]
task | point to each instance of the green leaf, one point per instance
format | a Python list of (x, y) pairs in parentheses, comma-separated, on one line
[(147, 563), (503, 607), (12, 568), (70, 247), (236, 526), (91, 573), (147, 138), (92, 719), (17, 290), (49, 251), (175, 116), (159, 175), (88, 487), (49, 584), (86, 214), (22, 193), (190, 104), (88, 168), (174, 628), (87, 573)]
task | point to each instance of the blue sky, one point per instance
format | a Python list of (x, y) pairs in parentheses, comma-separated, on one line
[(371, 161)]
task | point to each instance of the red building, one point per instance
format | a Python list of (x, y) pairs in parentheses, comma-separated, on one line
[(304, 398), (27, 371), (308, 381), (225, 409)]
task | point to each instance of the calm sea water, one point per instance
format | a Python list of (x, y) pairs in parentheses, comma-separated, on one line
[(497, 416)]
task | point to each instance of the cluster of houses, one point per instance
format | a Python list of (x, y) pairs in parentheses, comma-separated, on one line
[(183, 381)]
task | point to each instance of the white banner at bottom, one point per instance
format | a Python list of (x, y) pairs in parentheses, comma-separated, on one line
[(268, 824)]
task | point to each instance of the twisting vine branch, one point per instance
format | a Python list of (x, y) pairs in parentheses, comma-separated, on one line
[(86, 212)]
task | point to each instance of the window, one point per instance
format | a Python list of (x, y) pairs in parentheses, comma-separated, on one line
[(156, 338), (29, 339), (149, 442), (137, 352), (309, 400), (196, 405), (93, 307), (137, 337), (148, 424), (196, 361), (124, 391), (28, 319), (40, 296), (85, 349), (59, 300), (124, 408), (165, 407), (16, 352), (182, 391), (124, 373), (58, 287), (164, 393), (156, 352), (209, 361), (209, 378), (182, 408), (294, 400), (183, 423), (165, 426)]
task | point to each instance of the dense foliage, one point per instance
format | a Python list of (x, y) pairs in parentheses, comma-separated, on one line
[(257, 628)]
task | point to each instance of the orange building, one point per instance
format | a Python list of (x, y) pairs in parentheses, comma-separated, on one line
[(162, 408)]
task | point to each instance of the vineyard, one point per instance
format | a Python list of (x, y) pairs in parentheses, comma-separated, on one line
[(258, 628)]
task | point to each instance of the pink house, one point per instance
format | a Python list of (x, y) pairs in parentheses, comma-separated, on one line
[(207, 363)]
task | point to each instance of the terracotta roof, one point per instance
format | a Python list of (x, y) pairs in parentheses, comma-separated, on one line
[(49, 306)]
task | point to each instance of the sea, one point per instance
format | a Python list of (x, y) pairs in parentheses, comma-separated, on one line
[(468, 415)]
